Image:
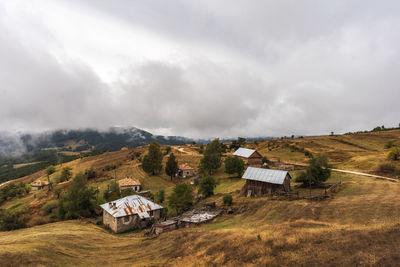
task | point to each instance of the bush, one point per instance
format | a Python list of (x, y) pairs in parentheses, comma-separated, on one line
[(390, 144), (387, 168), (394, 153), (11, 220), (227, 200), (50, 206), (90, 173), (160, 196)]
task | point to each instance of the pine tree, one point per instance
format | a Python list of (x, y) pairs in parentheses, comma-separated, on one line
[(151, 162), (234, 165), (171, 167), (211, 160)]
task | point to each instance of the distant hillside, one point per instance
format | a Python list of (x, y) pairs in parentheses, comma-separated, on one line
[(83, 139), (60, 146)]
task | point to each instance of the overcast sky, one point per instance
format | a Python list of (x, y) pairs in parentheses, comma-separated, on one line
[(200, 68)]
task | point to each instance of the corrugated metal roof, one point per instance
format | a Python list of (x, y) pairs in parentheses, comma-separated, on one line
[(244, 152), (130, 205), (265, 175)]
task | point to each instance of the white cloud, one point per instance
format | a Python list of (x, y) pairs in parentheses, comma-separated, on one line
[(200, 69)]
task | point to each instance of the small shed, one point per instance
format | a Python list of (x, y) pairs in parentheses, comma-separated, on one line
[(250, 156), (130, 212), (261, 182), (185, 170), (164, 226), (38, 184), (130, 183)]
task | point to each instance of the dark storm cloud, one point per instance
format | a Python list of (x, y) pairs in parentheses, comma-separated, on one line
[(250, 68)]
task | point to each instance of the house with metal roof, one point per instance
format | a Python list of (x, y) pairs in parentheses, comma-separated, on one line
[(261, 182), (130, 212), (250, 156)]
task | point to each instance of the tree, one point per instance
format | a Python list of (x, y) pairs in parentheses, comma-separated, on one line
[(160, 196), (79, 200), (211, 160), (181, 198), (317, 172), (234, 165), (66, 174), (394, 153), (167, 150), (57, 191), (207, 185), (227, 200), (201, 148), (171, 167), (49, 171), (151, 162), (113, 192), (241, 141)]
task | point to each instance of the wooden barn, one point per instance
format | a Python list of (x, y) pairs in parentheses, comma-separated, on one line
[(261, 182), (250, 156)]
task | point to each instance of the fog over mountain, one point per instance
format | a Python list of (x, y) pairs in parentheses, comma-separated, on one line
[(199, 69)]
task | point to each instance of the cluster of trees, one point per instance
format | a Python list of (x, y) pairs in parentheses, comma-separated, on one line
[(79, 200), (11, 220), (317, 172), (12, 190), (237, 143)]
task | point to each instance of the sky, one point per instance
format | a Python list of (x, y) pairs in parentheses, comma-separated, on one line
[(200, 69)]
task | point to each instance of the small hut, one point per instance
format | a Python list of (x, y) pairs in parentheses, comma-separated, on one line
[(37, 185), (130, 183), (261, 182), (184, 170)]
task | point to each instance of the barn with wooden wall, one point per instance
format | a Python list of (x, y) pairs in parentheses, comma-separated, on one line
[(250, 156), (262, 182)]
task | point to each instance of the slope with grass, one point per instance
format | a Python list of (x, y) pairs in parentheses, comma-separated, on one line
[(359, 226), (363, 152)]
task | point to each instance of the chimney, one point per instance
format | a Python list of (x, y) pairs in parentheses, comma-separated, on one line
[(114, 205), (110, 205)]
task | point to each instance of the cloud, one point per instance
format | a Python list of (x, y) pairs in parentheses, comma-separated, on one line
[(200, 69)]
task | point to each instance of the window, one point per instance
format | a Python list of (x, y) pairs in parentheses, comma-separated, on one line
[(126, 219), (151, 213)]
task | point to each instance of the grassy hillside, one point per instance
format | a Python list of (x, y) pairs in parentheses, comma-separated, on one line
[(359, 226), (359, 152)]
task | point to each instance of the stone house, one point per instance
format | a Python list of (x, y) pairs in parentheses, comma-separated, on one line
[(130, 183), (38, 184), (184, 170), (131, 212)]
